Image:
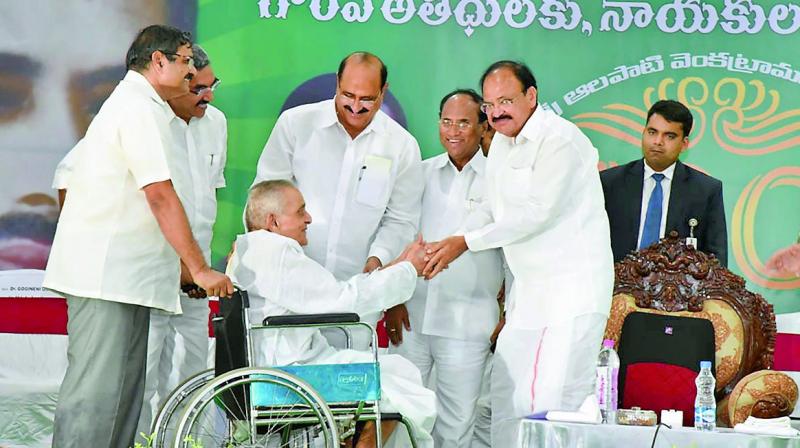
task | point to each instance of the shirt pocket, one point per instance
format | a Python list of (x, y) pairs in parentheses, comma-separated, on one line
[(516, 183), (215, 179), (374, 182)]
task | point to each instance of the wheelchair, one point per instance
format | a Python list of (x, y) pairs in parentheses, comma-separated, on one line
[(239, 405)]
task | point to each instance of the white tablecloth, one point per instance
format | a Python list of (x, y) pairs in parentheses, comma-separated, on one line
[(544, 434)]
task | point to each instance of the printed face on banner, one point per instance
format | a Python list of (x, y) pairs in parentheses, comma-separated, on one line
[(505, 103), (201, 92), (358, 96), (662, 142), (57, 65), (459, 130)]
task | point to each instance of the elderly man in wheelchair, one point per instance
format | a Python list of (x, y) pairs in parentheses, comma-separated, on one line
[(282, 282)]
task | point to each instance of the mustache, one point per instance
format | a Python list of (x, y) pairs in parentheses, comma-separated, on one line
[(362, 111), (502, 117), (201, 102)]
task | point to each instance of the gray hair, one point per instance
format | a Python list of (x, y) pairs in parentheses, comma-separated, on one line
[(264, 198), (200, 56)]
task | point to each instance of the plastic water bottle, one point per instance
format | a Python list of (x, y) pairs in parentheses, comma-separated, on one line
[(606, 384), (705, 406)]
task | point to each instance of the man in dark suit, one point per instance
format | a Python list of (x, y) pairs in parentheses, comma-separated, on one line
[(649, 197)]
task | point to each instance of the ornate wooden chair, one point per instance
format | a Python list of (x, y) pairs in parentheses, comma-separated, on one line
[(673, 278)]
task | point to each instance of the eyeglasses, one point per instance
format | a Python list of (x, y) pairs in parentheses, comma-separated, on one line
[(188, 60), (446, 123), (502, 104), (203, 90), (368, 103)]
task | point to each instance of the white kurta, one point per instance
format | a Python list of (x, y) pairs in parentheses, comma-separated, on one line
[(282, 280), (547, 206), (460, 302), (453, 315), (362, 193)]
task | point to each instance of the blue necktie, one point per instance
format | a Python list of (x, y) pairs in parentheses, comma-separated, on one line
[(652, 220)]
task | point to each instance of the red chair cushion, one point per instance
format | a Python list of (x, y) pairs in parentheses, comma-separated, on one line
[(655, 386)]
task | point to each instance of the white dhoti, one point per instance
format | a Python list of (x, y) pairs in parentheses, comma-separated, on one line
[(459, 373), (535, 371)]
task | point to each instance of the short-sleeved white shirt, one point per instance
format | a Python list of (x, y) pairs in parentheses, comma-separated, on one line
[(108, 244)]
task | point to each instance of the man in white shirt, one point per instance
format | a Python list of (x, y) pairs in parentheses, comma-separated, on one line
[(449, 319), (360, 171), (270, 264), (117, 245), (546, 205), (200, 134)]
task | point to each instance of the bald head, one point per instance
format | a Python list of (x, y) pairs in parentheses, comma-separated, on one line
[(363, 58)]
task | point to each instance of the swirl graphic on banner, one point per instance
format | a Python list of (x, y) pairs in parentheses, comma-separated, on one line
[(743, 227), (746, 119), (625, 122), (752, 128)]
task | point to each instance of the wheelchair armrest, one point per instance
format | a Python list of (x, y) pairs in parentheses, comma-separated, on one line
[(311, 319), (392, 416)]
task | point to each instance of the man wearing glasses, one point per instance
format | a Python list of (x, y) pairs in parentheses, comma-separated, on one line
[(546, 206), (120, 240), (200, 135), (359, 170), (448, 321)]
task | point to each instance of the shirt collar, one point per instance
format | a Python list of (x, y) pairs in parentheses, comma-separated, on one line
[(137, 79), (329, 118), (477, 163), (668, 172), (531, 127)]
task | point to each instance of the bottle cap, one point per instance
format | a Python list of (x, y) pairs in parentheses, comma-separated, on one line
[(705, 364), (608, 343)]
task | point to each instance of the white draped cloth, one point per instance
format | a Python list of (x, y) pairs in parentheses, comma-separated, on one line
[(281, 280)]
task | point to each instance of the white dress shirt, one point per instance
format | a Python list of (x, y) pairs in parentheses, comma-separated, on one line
[(202, 145), (108, 244), (363, 194), (460, 302), (546, 204), (648, 185), (282, 280)]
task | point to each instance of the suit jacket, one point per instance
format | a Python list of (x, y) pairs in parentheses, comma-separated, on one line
[(692, 195)]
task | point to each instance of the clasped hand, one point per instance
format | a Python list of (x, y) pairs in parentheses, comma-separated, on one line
[(439, 255)]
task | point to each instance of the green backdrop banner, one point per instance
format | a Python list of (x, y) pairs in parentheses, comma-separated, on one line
[(600, 64)]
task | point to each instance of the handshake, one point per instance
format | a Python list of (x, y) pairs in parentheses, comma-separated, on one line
[(429, 259)]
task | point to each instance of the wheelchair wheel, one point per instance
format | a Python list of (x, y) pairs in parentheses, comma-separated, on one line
[(166, 421), (256, 407)]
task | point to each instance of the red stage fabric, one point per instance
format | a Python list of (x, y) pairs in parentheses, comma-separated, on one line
[(787, 352)]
